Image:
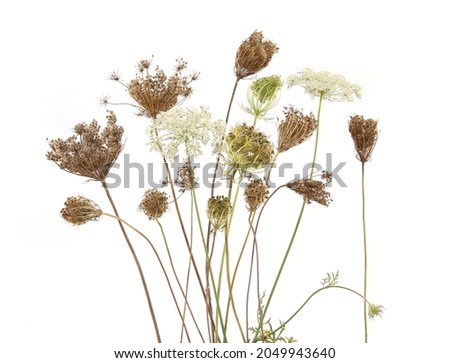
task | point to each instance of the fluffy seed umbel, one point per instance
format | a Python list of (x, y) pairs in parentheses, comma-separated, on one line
[(365, 135), (90, 152), (157, 92), (154, 204)]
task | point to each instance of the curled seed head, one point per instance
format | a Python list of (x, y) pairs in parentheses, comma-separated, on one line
[(154, 203), (256, 194), (364, 133), (295, 128), (80, 210), (311, 190), (253, 55)]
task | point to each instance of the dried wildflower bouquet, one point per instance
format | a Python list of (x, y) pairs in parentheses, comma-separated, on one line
[(217, 293)]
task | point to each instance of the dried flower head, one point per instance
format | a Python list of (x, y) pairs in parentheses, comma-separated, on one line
[(332, 87), (154, 203), (186, 177), (295, 128), (157, 92), (312, 190), (247, 148), (189, 127), (80, 210), (89, 152), (256, 194), (375, 310), (253, 55), (218, 210), (365, 135)]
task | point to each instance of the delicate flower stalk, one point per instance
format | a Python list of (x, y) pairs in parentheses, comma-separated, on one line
[(295, 129), (80, 210), (374, 311), (364, 133), (329, 87), (253, 55)]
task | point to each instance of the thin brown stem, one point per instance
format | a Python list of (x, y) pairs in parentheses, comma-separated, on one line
[(136, 260), (186, 238), (365, 251), (169, 254), (251, 218), (160, 263)]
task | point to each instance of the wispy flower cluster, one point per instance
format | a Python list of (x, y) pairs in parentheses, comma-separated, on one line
[(188, 127), (332, 87), (156, 92), (89, 153)]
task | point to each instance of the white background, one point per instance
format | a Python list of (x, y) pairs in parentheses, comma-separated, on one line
[(69, 293)]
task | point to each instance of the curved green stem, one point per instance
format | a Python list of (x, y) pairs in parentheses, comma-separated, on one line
[(315, 293), (210, 274), (297, 224), (230, 289)]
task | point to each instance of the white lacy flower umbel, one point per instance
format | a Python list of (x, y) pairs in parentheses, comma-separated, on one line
[(332, 87), (188, 127)]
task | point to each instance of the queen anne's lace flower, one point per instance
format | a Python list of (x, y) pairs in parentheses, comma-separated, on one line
[(332, 87), (188, 127)]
